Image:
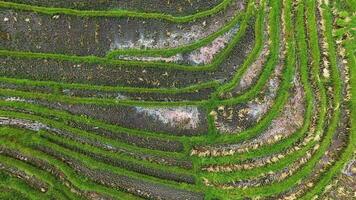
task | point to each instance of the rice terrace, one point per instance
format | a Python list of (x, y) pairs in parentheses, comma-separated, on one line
[(177, 99)]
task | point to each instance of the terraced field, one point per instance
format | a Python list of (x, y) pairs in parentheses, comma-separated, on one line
[(177, 100)]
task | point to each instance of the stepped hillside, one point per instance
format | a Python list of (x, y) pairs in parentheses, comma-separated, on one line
[(177, 99)]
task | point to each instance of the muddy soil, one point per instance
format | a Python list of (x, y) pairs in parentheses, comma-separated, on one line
[(177, 121), (26, 88)]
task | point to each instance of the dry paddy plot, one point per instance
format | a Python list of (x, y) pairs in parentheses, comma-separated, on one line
[(177, 100)]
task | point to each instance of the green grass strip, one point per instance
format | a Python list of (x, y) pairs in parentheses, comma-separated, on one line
[(315, 60), (97, 101), (53, 84)]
